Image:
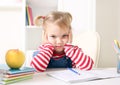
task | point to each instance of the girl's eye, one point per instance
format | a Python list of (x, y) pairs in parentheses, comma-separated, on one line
[(53, 36), (64, 36)]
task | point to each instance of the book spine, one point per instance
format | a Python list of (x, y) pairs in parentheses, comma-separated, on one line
[(15, 75), (27, 21), (25, 70), (30, 15), (18, 77), (16, 80)]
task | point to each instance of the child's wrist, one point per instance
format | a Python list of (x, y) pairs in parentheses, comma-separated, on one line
[(68, 45), (49, 45)]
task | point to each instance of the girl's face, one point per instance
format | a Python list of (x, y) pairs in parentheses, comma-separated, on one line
[(57, 36)]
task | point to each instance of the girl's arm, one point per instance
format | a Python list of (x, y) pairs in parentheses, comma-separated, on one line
[(41, 60), (77, 56)]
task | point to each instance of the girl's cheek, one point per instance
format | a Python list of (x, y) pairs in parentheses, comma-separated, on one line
[(51, 40), (65, 41)]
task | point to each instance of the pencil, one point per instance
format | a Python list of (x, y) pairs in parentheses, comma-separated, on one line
[(116, 46), (74, 71)]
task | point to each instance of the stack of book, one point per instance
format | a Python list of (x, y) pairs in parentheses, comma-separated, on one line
[(8, 76), (29, 16)]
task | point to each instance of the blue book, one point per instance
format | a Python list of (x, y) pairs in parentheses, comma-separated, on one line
[(6, 70), (27, 18)]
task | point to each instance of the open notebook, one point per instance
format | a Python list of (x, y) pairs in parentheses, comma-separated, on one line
[(71, 77)]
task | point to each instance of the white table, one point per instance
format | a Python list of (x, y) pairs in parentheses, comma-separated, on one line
[(43, 79)]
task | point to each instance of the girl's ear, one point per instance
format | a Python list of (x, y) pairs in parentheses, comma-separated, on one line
[(70, 37)]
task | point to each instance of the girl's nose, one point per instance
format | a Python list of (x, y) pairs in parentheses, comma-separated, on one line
[(59, 40)]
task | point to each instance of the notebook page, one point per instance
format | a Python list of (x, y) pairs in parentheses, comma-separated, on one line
[(69, 76)]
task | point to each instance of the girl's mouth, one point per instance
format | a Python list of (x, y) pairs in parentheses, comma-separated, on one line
[(58, 46)]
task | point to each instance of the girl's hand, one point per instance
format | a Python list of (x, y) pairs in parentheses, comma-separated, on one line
[(70, 37), (44, 38), (67, 47), (46, 46)]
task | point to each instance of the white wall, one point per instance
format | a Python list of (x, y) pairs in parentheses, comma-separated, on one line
[(83, 13), (11, 30), (118, 19), (107, 24)]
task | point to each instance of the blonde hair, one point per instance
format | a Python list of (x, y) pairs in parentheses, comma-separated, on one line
[(62, 19)]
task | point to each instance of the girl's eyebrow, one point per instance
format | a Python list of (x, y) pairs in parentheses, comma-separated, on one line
[(52, 35), (66, 34)]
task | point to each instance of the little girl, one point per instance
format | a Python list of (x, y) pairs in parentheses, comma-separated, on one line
[(56, 51)]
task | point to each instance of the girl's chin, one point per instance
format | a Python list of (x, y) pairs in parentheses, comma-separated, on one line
[(59, 50)]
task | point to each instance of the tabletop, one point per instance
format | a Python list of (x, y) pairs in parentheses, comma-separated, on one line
[(44, 79)]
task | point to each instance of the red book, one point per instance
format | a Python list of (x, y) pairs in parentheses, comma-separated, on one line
[(16, 75)]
